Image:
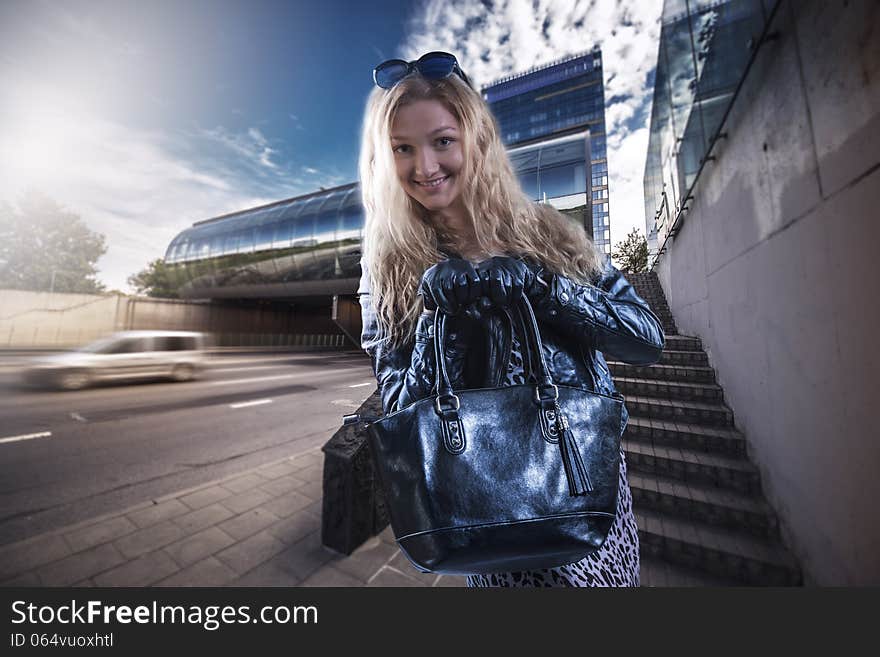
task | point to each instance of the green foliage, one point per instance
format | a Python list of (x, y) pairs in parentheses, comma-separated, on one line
[(45, 247), (154, 281), (632, 253)]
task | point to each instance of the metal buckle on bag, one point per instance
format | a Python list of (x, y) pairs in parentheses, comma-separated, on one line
[(538, 397), (449, 396)]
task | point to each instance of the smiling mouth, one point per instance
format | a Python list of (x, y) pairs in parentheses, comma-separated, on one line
[(433, 183)]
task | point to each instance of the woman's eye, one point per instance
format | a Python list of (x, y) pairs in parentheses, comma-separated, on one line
[(446, 139), (397, 148)]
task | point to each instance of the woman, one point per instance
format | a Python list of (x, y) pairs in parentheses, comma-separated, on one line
[(448, 228)]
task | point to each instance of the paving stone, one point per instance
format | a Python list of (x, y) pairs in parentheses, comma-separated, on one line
[(283, 484), (158, 512), (207, 572), (100, 532), (16, 558), (148, 539), (403, 565), (251, 552), (243, 483), (387, 535), (307, 460), (368, 559), (389, 577), (314, 489), (241, 502), (288, 504), (307, 555), (269, 574), (248, 523), (278, 469), (295, 528), (197, 520), (26, 579), (198, 546), (316, 508), (205, 496), (312, 472), (331, 577), (80, 565), (143, 571), (451, 580)]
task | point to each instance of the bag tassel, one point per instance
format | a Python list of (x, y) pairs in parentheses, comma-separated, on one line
[(575, 471)]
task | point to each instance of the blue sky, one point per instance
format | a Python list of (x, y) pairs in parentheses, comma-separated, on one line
[(143, 117)]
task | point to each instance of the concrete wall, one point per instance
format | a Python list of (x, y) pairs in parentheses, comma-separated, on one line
[(776, 268), (41, 319)]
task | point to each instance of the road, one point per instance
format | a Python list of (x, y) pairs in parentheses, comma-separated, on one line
[(69, 456)]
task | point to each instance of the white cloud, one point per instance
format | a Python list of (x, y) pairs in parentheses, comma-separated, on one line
[(251, 144), (132, 185), (516, 35)]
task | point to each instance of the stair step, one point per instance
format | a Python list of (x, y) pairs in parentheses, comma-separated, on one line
[(656, 572), (679, 357), (698, 437), (709, 393), (719, 552), (683, 343), (691, 412), (692, 466), (682, 373), (707, 504)]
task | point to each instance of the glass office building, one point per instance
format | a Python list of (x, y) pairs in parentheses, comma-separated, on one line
[(705, 49), (305, 246), (548, 115)]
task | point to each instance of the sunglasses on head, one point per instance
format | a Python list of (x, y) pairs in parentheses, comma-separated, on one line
[(433, 66)]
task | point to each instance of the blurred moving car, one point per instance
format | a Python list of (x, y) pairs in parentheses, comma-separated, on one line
[(127, 355)]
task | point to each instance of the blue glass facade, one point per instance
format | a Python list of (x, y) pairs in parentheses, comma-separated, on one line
[(563, 99), (301, 246), (705, 50)]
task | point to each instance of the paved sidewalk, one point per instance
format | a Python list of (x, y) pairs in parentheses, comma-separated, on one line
[(259, 528)]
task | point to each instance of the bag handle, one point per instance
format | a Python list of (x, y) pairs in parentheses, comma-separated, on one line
[(546, 392)]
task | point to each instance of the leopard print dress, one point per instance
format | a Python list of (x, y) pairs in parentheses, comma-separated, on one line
[(616, 563)]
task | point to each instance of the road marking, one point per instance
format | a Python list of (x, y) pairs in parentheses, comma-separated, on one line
[(244, 369), (256, 402), (345, 402), (313, 374), (26, 436), (360, 385)]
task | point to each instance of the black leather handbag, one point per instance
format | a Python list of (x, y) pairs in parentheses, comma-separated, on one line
[(500, 479)]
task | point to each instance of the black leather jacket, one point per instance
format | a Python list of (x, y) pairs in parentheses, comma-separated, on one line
[(578, 324)]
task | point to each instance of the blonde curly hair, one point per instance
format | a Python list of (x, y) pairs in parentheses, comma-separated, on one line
[(400, 242)]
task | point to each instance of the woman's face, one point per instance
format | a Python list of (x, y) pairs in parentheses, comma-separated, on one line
[(426, 141)]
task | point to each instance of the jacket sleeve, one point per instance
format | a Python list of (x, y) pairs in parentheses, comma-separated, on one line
[(608, 316), (405, 374)]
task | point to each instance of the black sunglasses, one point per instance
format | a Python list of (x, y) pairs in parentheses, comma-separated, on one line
[(433, 66)]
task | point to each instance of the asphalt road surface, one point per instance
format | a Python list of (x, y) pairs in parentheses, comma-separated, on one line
[(69, 456)]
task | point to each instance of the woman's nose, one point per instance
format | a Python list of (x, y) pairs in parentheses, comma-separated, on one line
[(426, 164)]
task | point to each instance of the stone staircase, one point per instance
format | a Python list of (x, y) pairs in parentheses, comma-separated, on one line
[(697, 498)]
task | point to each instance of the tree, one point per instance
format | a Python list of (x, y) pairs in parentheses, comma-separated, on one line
[(45, 247), (632, 253), (155, 281)]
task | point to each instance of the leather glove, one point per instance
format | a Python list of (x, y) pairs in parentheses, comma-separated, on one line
[(450, 285), (505, 280)]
